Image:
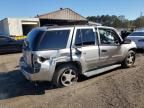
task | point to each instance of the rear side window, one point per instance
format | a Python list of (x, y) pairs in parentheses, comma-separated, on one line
[(85, 37), (4, 39), (78, 40), (56, 39), (88, 37)]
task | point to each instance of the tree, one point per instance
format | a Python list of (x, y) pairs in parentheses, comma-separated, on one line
[(118, 21), (139, 22)]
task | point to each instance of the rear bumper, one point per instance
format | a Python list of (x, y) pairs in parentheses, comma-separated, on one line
[(27, 75), (45, 73)]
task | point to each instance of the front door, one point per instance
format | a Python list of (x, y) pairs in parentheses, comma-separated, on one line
[(110, 48), (86, 44)]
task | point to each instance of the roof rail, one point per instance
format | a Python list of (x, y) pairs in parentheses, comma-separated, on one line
[(49, 25), (55, 25)]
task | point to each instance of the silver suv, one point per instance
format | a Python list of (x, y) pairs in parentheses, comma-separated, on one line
[(60, 54)]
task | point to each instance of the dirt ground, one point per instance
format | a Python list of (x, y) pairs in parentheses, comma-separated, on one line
[(119, 88)]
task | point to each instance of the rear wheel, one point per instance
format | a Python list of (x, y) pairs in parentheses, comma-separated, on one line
[(65, 75), (129, 60)]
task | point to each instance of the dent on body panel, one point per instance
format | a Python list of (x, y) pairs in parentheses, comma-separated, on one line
[(63, 55), (80, 59)]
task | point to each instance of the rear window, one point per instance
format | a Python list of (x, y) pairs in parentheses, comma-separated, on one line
[(56, 39), (137, 34), (33, 39)]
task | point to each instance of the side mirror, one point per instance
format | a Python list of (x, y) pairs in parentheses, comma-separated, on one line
[(117, 43), (126, 41)]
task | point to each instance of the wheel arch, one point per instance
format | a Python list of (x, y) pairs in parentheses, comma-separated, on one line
[(133, 49), (74, 63)]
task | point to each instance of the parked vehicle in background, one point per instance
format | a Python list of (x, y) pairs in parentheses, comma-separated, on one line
[(125, 33), (61, 54), (138, 38), (9, 45)]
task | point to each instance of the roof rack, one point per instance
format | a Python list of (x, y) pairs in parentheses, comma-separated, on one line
[(49, 25), (55, 25)]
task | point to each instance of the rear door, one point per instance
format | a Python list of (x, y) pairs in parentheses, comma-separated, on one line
[(86, 43), (110, 47)]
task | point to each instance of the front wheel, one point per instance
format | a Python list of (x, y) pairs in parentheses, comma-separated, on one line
[(129, 60), (65, 75)]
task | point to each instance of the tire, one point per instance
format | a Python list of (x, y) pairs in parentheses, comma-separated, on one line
[(129, 60), (65, 75)]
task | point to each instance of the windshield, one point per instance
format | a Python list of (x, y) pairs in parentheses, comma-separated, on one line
[(56, 39), (137, 34)]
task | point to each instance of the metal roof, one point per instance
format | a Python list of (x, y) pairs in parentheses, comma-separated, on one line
[(63, 14)]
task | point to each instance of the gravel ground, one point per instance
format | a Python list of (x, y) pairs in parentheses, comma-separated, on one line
[(119, 88)]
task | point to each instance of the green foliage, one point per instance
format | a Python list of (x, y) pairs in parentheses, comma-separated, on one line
[(139, 22), (117, 21)]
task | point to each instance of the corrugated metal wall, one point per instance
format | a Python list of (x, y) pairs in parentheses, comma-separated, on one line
[(4, 28), (63, 14)]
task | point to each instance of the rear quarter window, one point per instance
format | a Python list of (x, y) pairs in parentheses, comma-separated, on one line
[(56, 39)]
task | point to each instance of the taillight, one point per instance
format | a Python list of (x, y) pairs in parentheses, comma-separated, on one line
[(25, 45), (35, 64)]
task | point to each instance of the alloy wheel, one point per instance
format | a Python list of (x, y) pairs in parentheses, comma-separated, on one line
[(68, 77)]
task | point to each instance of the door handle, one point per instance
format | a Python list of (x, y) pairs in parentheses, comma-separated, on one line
[(104, 50)]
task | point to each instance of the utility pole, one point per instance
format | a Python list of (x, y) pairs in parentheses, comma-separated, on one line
[(141, 14)]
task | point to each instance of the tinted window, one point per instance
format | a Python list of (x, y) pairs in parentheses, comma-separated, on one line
[(108, 36), (33, 39), (54, 40), (85, 37), (5, 39), (88, 37), (78, 40), (137, 34)]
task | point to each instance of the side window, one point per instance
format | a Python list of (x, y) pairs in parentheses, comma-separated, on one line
[(109, 37), (3, 39), (85, 37), (78, 40), (88, 37)]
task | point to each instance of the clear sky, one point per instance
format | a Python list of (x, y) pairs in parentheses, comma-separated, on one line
[(29, 8)]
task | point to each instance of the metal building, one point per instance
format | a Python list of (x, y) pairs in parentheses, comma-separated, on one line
[(62, 17), (21, 26), (17, 26)]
